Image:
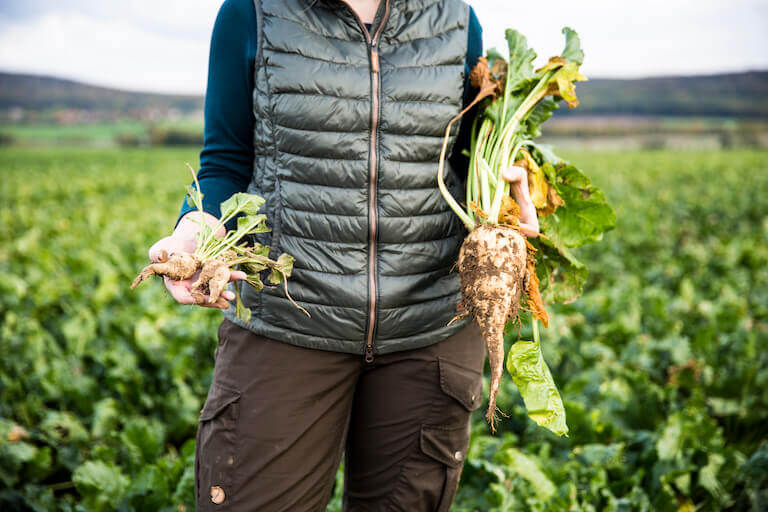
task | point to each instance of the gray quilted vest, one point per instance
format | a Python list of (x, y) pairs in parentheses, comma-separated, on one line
[(348, 133)]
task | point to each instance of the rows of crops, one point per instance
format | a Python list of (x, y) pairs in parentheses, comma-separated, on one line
[(663, 363)]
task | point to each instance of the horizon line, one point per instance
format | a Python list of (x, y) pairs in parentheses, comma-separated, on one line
[(80, 81)]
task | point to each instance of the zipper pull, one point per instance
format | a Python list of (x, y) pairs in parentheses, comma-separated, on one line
[(374, 59), (368, 354)]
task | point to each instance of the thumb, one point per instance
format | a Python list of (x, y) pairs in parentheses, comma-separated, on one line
[(162, 248), (515, 174)]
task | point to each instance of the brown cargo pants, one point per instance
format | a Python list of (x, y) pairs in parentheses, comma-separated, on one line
[(278, 418)]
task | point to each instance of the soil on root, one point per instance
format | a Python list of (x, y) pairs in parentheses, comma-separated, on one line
[(177, 266), (213, 278), (492, 269)]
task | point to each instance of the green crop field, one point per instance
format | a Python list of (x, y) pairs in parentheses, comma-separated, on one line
[(662, 363), (53, 134), (96, 135)]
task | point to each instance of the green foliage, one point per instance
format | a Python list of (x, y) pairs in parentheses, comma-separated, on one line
[(533, 379), (100, 387), (662, 363), (573, 211), (101, 485), (250, 258), (584, 217)]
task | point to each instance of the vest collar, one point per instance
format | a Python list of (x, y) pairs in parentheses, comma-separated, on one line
[(336, 3)]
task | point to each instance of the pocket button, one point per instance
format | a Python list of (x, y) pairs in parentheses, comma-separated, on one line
[(217, 495)]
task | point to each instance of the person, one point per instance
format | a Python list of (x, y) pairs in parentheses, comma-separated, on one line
[(334, 111)]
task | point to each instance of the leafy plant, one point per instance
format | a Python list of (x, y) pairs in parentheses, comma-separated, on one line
[(662, 362), (214, 256), (514, 101)]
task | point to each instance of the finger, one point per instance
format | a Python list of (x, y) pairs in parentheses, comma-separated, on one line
[(229, 295), (237, 275), (221, 303), (513, 174), (170, 245), (166, 245), (156, 250)]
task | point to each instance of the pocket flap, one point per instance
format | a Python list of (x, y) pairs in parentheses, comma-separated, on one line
[(219, 397), (462, 383), (445, 444)]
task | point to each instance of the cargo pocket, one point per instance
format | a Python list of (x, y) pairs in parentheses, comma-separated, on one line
[(448, 442), (429, 476), (217, 446), (449, 447), (463, 384)]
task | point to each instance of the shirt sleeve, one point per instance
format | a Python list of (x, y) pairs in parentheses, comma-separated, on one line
[(226, 160), (460, 162)]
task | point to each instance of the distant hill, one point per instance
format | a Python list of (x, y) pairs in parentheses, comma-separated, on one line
[(734, 94), (35, 92)]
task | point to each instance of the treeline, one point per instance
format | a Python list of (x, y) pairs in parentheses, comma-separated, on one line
[(735, 95), (160, 136)]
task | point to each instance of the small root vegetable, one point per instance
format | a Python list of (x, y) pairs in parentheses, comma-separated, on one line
[(212, 280), (214, 275), (178, 266), (215, 256), (492, 270)]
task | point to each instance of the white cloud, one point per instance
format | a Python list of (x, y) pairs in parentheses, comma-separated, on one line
[(163, 46), (635, 39), (112, 53)]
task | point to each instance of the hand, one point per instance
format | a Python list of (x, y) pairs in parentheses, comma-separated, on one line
[(181, 290), (184, 239), (518, 179)]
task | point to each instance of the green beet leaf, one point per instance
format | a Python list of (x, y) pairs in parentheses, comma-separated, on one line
[(255, 281), (248, 204), (572, 52), (586, 214), (102, 485), (251, 224), (242, 312), (534, 381), (520, 65), (281, 269), (529, 469), (561, 275)]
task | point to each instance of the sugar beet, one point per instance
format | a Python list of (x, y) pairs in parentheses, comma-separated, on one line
[(492, 269)]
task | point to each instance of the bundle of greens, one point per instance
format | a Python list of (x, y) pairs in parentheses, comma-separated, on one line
[(215, 257), (498, 265)]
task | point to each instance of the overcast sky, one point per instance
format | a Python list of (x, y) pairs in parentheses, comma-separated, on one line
[(162, 45)]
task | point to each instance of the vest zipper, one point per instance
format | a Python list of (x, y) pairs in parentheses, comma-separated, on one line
[(374, 54)]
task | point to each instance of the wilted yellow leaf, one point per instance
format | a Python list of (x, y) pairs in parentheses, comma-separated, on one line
[(544, 197), (509, 213)]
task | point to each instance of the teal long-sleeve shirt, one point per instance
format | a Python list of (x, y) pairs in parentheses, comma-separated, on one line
[(226, 160)]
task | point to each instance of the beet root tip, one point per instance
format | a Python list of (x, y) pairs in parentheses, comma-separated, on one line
[(144, 274)]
